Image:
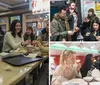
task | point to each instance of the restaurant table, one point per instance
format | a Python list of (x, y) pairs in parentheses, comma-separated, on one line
[(17, 73)]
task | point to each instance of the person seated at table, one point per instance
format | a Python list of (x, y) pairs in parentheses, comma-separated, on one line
[(13, 39), (89, 20), (42, 47), (67, 69), (97, 62), (29, 35), (93, 34), (87, 65), (45, 33)]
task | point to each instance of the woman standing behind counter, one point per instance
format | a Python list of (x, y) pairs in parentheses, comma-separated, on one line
[(14, 39)]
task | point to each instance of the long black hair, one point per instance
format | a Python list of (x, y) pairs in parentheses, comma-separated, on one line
[(87, 65), (97, 22), (13, 30)]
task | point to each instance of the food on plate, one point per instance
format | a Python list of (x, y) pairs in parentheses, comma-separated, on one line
[(8, 68)]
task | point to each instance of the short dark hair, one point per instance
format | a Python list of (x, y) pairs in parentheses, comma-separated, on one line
[(61, 8), (12, 28)]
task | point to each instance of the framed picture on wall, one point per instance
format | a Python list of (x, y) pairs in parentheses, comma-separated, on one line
[(11, 18)]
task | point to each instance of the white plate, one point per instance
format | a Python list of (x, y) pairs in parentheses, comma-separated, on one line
[(88, 79), (65, 83), (3, 54), (77, 80), (97, 79), (95, 83)]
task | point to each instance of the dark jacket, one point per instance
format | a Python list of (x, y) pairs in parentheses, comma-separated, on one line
[(58, 29), (71, 24), (44, 35), (97, 64), (91, 37), (86, 25), (29, 37)]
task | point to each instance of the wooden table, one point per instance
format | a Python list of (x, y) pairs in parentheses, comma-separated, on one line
[(17, 73)]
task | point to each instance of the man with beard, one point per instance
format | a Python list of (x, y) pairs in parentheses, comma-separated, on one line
[(60, 27)]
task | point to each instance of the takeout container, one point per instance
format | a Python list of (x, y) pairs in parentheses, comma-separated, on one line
[(29, 48)]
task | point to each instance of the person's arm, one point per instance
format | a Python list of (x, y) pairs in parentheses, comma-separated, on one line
[(10, 40), (24, 37), (55, 29), (70, 72), (58, 77), (44, 49), (70, 16)]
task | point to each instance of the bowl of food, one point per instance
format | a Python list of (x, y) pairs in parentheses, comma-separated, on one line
[(88, 79), (29, 48)]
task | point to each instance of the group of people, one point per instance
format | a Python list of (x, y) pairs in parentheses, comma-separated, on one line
[(66, 25), (14, 38), (69, 69)]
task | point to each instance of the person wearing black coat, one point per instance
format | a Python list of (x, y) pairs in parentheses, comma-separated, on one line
[(87, 65), (93, 34), (73, 20), (97, 62), (88, 21)]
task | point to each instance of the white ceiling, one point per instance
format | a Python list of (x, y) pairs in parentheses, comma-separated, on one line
[(81, 45), (12, 2), (7, 4)]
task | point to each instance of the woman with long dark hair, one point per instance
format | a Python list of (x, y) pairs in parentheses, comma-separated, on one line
[(93, 34), (88, 62), (14, 39)]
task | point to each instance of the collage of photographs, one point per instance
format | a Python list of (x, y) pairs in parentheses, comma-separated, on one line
[(49, 42)]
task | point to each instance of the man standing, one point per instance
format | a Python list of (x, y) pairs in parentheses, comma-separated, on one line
[(59, 26), (73, 20)]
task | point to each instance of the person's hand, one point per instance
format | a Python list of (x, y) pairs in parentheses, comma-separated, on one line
[(87, 20), (38, 44), (63, 39), (66, 71), (27, 42), (70, 32), (71, 11), (76, 29), (78, 67), (88, 34), (33, 42), (98, 38)]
